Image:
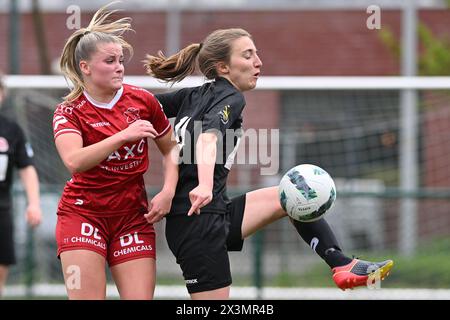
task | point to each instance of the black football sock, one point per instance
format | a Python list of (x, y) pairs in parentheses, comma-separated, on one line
[(319, 236)]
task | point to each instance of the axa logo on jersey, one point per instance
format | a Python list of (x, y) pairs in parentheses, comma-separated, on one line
[(128, 151)]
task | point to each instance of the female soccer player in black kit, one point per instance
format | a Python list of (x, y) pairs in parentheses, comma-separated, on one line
[(200, 241), (14, 152)]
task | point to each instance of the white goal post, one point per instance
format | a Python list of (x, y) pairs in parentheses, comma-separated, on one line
[(264, 83)]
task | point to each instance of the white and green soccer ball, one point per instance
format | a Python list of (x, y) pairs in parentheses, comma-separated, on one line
[(307, 192)]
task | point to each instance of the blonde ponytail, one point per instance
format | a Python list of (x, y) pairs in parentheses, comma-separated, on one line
[(83, 43)]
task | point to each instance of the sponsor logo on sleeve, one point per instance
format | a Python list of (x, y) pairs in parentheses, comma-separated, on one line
[(225, 114)]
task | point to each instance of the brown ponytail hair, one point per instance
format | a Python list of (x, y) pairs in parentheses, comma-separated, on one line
[(215, 48), (83, 43)]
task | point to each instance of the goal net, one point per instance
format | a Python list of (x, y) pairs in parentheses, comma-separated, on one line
[(388, 157)]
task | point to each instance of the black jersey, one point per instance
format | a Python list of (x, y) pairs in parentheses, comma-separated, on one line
[(214, 106), (14, 152)]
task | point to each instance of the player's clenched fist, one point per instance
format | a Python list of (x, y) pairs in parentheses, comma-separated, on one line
[(138, 130)]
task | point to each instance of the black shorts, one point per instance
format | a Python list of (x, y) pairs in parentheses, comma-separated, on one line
[(201, 243), (7, 255)]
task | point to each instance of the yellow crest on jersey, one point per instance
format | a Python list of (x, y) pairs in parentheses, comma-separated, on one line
[(225, 114)]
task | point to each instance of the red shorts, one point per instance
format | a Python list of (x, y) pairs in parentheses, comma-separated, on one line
[(118, 239)]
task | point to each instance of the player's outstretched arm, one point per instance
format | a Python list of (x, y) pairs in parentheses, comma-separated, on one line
[(161, 203), (78, 158)]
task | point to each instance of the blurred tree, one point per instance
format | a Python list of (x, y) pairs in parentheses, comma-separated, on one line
[(41, 42), (435, 58), (434, 55)]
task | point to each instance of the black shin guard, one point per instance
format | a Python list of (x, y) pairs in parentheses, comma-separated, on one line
[(319, 236)]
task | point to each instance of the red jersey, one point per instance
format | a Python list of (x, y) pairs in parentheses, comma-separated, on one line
[(116, 185)]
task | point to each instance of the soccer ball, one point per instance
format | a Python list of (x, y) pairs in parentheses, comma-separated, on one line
[(306, 192)]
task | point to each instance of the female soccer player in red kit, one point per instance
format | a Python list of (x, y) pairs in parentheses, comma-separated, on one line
[(101, 132)]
